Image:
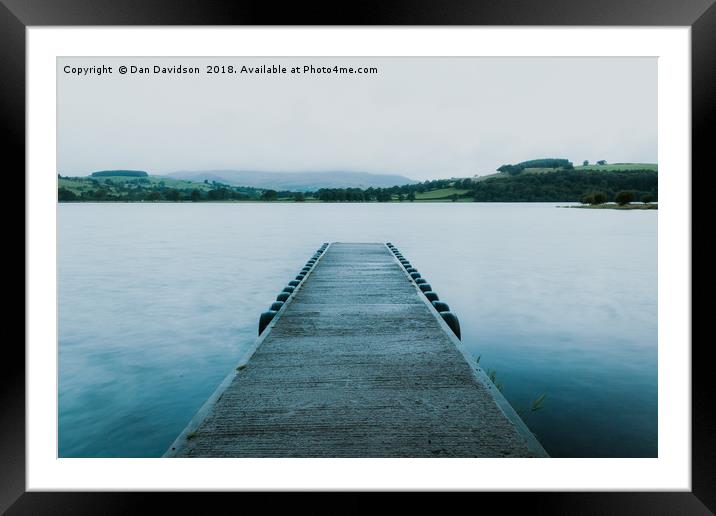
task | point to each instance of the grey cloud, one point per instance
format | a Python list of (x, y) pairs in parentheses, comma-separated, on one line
[(419, 117)]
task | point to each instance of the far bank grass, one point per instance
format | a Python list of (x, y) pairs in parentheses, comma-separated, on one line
[(441, 194)]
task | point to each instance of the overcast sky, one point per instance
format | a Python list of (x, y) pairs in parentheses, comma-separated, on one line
[(420, 117)]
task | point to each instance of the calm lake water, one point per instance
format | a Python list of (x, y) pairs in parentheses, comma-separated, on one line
[(158, 301)]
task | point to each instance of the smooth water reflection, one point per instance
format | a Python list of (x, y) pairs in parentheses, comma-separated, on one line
[(158, 301)]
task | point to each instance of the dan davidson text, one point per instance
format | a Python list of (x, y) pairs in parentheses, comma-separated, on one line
[(261, 69), (264, 69)]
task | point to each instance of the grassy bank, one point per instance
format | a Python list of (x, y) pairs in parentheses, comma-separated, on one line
[(531, 181)]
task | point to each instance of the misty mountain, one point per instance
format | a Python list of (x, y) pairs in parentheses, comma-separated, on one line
[(296, 181)]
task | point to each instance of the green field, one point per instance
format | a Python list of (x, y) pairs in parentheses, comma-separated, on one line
[(179, 183), (441, 194), (588, 168), (620, 166), (86, 183), (597, 168)]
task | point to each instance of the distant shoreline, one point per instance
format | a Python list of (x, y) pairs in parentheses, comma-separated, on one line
[(639, 206), (310, 201), (542, 180), (314, 201), (634, 206)]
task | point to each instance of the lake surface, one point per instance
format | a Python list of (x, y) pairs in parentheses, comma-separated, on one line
[(158, 301)]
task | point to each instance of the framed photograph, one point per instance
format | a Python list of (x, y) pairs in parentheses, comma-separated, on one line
[(397, 248)]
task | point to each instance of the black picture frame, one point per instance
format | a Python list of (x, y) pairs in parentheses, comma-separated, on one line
[(17, 15)]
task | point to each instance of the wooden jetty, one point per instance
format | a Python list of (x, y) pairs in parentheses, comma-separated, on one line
[(356, 362)]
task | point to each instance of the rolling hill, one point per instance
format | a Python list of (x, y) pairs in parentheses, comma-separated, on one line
[(295, 181)]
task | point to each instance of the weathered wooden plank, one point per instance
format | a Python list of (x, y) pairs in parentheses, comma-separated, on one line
[(357, 364)]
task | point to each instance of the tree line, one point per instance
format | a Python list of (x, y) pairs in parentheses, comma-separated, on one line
[(158, 194), (537, 163), (120, 173), (398, 192), (560, 186), (621, 198), (565, 186), (138, 189)]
